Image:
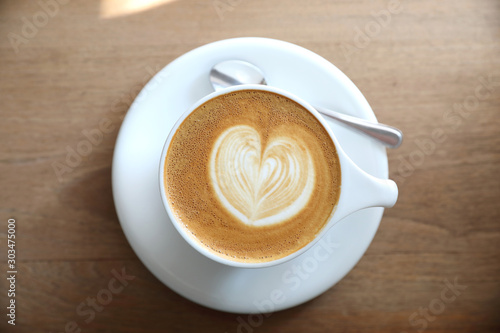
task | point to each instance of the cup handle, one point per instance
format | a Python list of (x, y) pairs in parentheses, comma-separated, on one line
[(363, 190)]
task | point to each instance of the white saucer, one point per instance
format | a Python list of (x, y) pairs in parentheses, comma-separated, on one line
[(144, 220)]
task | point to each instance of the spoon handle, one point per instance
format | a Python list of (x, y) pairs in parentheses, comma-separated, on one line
[(389, 136)]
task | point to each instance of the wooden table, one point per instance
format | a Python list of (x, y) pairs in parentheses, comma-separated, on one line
[(431, 68)]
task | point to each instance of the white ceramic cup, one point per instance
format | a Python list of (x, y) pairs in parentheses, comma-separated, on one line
[(358, 189)]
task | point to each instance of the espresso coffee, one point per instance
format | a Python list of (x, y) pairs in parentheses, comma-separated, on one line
[(252, 176)]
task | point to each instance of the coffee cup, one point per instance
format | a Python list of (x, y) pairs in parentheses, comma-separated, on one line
[(252, 176)]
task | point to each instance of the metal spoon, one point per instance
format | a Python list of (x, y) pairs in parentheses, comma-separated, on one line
[(236, 72)]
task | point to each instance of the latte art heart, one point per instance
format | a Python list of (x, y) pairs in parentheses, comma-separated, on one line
[(261, 185)]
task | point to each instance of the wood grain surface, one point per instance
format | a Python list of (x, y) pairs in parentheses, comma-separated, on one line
[(431, 68)]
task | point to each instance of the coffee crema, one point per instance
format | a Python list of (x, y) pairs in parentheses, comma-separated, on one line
[(252, 176)]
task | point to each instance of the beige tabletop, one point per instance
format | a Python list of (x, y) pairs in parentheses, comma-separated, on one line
[(430, 68)]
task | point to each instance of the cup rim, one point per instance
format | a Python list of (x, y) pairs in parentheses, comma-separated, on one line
[(189, 239)]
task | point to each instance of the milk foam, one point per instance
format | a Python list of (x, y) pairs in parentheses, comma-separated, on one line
[(252, 176), (261, 185)]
